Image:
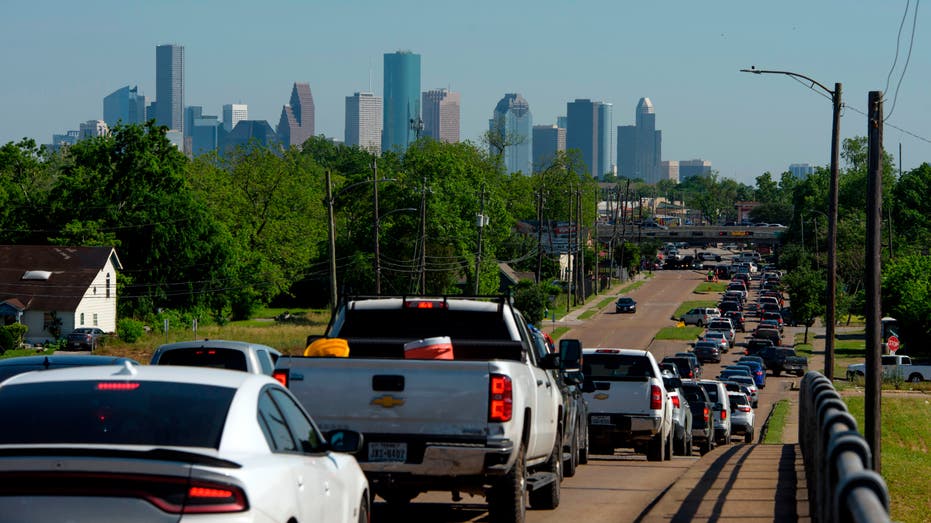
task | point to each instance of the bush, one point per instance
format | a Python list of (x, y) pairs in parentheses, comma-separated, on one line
[(129, 330), (531, 298)]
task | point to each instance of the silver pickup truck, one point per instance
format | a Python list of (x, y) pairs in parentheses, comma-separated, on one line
[(223, 354), (484, 420)]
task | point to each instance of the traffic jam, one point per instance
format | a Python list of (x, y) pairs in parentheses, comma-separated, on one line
[(451, 399)]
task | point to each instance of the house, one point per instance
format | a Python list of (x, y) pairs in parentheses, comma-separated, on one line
[(54, 289)]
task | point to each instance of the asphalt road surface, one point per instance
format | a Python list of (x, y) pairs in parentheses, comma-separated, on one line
[(620, 487)]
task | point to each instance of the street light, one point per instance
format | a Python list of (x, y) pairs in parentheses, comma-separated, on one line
[(832, 213)]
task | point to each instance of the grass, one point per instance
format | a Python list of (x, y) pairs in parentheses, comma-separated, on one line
[(906, 460), (558, 332), (708, 286), (26, 352), (689, 305), (776, 424), (679, 333)]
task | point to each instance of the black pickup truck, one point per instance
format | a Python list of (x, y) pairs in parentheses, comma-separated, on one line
[(702, 409), (783, 359)]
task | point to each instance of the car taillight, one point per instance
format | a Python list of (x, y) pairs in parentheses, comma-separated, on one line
[(209, 498), (281, 376), (743, 408), (705, 414), (675, 402), (656, 398), (501, 399), (690, 374), (723, 414)]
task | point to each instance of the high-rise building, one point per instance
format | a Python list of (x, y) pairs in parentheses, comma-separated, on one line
[(190, 113), (547, 141), (513, 123), (249, 132), (297, 118), (801, 171), (669, 170), (690, 168), (441, 115), (639, 147), (233, 114), (92, 128), (588, 129), (169, 86), (125, 105), (363, 121), (562, 121), (204, 134), (402, 118)]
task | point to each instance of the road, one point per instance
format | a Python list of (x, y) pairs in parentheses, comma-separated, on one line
[(621, 487)]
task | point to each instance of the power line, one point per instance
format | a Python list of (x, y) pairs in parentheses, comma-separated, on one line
[(898, 40), (908, 57)]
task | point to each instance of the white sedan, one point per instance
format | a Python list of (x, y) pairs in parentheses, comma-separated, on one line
[(127, 443)]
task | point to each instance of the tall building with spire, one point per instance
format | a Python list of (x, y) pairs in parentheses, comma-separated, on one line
[(639, 147), (297, 118), (402, 119), (169, 86), (363, 121), (512, 122), (441, 115)]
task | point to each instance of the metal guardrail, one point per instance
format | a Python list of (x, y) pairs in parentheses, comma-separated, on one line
[(842, 487)]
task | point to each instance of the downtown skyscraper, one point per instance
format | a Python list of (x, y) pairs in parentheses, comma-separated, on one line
[(588, 129), (512, 122), (297, 118), (233, 114), (125, 105), (441, 115), (639, 147), (363, 121), (402, 117), (169, 86)]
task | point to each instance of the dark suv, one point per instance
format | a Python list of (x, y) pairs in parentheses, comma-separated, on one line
[(86, 338), (688, 369)]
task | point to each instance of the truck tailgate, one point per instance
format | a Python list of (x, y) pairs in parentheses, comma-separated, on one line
[(427, 397)]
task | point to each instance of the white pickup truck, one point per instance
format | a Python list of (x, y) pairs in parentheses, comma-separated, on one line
[(627, 403), (485, 422), (900, 367)]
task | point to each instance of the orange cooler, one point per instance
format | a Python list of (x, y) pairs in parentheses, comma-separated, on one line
[(439, 348)]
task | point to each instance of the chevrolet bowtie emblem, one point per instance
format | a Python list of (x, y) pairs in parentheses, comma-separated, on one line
[(601, 396), (387, 401)]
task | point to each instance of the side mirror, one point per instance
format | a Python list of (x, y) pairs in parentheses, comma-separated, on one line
[(570, 355), (348, 441), (573, 377), (550, 362)]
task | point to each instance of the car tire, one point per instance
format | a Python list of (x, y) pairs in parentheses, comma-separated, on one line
[(547, 497), (748, 436), (507, 497), (364, 513), (572, 463), (688, 445), (655, 448), (705, 447), (678, 445), (698, 323), (583, 448), (915, 378), (667, 452)]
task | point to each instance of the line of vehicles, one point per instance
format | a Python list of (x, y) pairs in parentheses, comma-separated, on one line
[(436, 394)]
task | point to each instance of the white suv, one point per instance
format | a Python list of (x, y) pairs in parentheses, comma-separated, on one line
[(700, 316)]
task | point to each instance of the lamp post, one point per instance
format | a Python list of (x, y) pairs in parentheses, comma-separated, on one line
[(832, 214)]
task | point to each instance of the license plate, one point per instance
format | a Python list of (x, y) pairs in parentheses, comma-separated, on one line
[(601, 420), (379, 451)]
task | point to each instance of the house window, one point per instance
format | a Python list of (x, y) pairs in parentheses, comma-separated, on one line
[(95, 319), (94, 289), (108, 285), (82, 319)]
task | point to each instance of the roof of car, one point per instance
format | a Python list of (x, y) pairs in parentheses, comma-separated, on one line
[(215, 344), (623, 352), (130, 372)]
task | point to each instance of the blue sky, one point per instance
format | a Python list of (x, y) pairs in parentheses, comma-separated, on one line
[(62, 57)]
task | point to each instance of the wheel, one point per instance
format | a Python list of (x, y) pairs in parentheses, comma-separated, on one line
[(507, 498), (570, 464), (688, 445), (667, 452), (698, 323), (547, 498), (705, 446), (915, 378), (364, 514), (776, 372), (655, 448), (748, 437), (679, 445), (583, 449)]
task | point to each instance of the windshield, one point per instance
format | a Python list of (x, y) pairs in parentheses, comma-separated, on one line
[(115, 412)]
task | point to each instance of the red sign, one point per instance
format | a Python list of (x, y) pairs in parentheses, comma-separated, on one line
[(893, 343)]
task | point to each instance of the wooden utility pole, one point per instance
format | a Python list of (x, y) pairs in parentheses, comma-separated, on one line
[(830, 315), (423, 237), (873, 406), (580, 279), (331, 236), (480, 222), (539, 274), (376, 226)]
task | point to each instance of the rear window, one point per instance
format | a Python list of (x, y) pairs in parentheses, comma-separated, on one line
[(712, 390), (114, 412), (205, 357), (693, 394), (616, 367), (414, 323)]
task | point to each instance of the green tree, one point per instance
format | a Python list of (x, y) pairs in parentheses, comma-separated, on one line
[(806, 288), (628, 256), (906, 295)]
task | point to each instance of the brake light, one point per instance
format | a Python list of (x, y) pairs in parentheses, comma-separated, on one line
[(118, 385), (743, 408), (705, 414), (423, 304), (281, 376), (213, 499), (723, 414), (690, 373), (608, 351), (675, 402), (501, 398), (656, 397)]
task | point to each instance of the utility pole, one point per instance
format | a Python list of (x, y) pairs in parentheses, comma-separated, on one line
[(830, 315), (570, 278), (539, 274), (480, 221), (331, 236), (377, 226), (423, 238), (580, 249), (873, 406), (596, 240)]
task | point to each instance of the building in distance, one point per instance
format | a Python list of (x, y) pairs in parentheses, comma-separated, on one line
[(364, 121), (639, 146), (297, 118), (169, 86), (548, 140), (125, 106), (690, 168), (402, 119), (588, 129), (92, 129), (801, 171), (669, 170), (248, 133), (512, 126), (441, 115), (233, 114)]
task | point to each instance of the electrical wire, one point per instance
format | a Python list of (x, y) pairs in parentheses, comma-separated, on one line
[(908, 57), (898, 40)]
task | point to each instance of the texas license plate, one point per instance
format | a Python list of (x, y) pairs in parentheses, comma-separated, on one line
[(379, 451), (601, 420)]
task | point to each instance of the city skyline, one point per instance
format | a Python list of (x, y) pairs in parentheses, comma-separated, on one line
[(686, 61)]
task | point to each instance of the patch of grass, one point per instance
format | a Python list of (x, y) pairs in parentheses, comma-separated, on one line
[(604, 303), (777, 422), (689, 305), (558, 332), (633, 286), (803, 349), (15, 353), (588, 314), (710, 286), (679, 333), (906, 460)]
